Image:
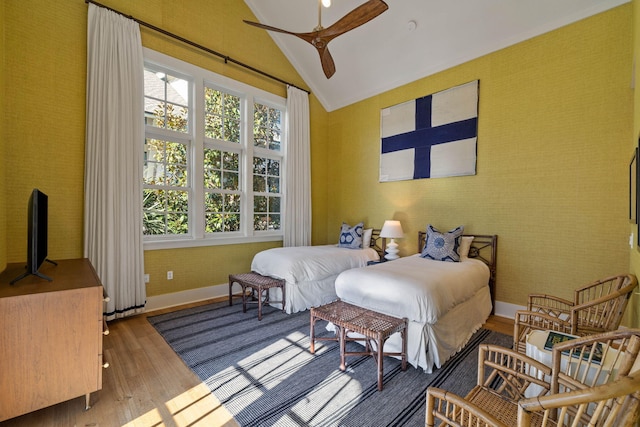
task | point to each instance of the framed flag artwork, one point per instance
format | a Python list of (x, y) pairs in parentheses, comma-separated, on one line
[(430, 137)]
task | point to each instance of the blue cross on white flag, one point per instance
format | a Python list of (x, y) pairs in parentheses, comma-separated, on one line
[(431, 137)]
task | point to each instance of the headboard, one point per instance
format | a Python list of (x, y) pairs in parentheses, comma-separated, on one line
[(377, 242), (483, 247)]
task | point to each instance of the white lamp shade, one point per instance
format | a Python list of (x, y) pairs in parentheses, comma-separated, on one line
[(391, 229)]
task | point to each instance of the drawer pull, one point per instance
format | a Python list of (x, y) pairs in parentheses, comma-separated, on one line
[(105, 327)]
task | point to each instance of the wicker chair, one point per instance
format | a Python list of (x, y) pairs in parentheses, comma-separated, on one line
[(574, 397), (596, 307), (503, 377)]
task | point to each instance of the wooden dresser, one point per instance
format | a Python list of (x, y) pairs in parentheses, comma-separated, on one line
[(50, 336)]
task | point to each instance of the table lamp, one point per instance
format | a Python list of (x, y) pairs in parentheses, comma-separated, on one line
[(393, 230)]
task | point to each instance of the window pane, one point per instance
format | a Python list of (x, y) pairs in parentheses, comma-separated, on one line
[(274, 222), (212, 178), (165, 209), (260, 204), (177, 223), (153, 223), (274, 184), (259, 184), (274, 167), (213, 202), (222, 115), (166, 101), (267, 124), (259, 165), (274, 204), (212, 158)]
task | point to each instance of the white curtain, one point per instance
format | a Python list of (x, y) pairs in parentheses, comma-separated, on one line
[(297, 228), (114, 158)]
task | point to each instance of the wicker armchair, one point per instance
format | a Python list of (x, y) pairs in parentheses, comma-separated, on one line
[(571, 395), (596, 307), (503, 377)]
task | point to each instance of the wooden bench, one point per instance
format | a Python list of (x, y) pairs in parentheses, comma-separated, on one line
[(368, 323), (258, 284)]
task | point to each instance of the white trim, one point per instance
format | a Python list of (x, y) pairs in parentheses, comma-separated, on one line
[(189, 296), (505, 309)]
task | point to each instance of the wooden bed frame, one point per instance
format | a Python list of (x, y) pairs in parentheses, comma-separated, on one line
[(377, 242), (483, 247)]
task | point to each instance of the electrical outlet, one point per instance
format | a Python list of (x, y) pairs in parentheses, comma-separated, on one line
[(146, 278), (169, 275), (631, 241)]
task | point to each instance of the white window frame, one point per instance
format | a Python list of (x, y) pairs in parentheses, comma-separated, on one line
[(200, 77)]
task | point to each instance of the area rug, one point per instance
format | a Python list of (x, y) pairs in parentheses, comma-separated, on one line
[(263, 373)]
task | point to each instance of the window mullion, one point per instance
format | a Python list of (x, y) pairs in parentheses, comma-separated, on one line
[(196, 207), (247, 173)]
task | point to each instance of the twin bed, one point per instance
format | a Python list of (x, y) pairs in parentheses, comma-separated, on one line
[(310, 272), (444, 302)]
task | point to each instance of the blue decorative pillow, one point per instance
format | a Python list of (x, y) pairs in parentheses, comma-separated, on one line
[(351, 237), (442, 246)]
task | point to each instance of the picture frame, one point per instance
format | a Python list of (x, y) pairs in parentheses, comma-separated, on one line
[(633, 187)]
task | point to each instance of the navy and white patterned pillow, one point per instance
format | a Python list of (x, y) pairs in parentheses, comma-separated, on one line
[(442, 246), (351, 237)]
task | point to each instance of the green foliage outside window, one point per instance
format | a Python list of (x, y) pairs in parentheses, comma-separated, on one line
[(266, 199), (267, 124)]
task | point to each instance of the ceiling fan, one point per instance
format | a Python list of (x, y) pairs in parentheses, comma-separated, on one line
[(320, 36)]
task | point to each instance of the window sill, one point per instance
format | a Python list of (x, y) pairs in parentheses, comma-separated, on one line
[(220, 241)]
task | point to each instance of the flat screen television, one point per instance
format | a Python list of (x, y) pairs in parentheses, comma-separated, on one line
[(37, 238)]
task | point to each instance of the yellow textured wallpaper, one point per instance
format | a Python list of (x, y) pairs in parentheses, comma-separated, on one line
[(555, 120), (633, 310), (3, 179), (45, 60)]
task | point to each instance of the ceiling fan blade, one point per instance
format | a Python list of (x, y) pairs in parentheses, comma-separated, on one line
[(357, 17), (269, 27), (308, 37), (328, 66)]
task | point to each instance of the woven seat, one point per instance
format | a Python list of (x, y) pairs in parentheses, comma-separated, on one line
[(596, 307), (259, 285), (579, 391), (374, 328)]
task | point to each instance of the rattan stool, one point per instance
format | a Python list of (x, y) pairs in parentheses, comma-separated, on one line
[(373, 326), (258, 283)]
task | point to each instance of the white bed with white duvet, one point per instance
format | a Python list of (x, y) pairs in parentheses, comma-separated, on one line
[(444, 302), (310, 271)]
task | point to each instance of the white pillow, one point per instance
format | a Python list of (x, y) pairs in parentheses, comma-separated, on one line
[(465, 245), (366, 237)]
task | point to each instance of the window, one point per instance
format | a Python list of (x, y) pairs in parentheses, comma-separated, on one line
[(214, 158)]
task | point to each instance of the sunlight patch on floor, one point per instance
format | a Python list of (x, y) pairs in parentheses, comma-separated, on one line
[(195, 407)]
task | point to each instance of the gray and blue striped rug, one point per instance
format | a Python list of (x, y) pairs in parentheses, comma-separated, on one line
[(264, 374)]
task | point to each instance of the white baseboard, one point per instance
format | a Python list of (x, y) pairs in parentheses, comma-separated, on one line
[(505, 309), (186, 297)]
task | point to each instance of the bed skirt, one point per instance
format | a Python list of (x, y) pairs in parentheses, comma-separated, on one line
[(431, 345)]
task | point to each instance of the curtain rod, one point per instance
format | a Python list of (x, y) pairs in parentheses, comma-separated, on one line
[(199, 46)]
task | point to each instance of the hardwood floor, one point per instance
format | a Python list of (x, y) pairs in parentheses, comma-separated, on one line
[(148, 385)]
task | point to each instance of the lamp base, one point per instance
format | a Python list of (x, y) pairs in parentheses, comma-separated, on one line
[(392, 251)]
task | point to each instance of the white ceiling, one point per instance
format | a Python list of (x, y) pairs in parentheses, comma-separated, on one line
[(386, 53)]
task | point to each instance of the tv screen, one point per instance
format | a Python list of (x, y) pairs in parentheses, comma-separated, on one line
[(37, 238), (37, 230)]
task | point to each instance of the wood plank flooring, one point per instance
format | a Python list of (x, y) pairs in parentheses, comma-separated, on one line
[(148, 385)]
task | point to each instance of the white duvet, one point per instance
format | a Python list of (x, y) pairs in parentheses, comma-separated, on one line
[(309, 271), (420, 289)]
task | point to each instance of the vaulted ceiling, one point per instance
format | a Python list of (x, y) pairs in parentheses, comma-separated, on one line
[(411, 40)]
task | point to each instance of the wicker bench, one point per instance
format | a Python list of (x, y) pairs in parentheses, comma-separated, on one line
[(258, 284), (368, 323)]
